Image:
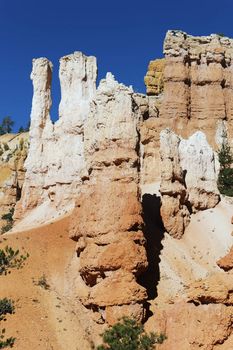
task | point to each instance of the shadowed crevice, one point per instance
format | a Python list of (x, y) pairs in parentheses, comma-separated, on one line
[(154, 233)]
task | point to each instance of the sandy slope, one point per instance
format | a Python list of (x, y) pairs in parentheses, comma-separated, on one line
[(44, 319)]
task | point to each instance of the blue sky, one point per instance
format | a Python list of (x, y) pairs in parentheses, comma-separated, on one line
[(123, 35)]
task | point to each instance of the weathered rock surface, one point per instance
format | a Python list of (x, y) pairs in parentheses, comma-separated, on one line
[(188, 179), (107, 220), (174, 211), (154, 77), (55, 164), (94, 157), (226, 262), (190, 327), (197, 95), (13, 150)]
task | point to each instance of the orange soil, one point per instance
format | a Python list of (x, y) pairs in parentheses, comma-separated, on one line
[(43, 319)]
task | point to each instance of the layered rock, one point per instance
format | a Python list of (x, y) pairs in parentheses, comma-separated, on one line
[(107, 222), (55, 164), (174, 211), (13, 149), (154, 77), (197, 76), (197, 94), (188, 179)]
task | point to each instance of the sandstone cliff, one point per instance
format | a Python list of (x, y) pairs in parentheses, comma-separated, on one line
[(105, 160), (55, 166), (197, 94), (13, 152), (188, 179), (107, 222)]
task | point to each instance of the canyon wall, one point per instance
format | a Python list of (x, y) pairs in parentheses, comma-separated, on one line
[(55, 166), (107, 221), (112, 147), (197, 93), (13, 152)]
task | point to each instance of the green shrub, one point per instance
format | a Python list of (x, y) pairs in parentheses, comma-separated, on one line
[(129, 335), (6, 307), (11, 259), (9, 218), (225, 176), (42, 282), (9, 342), (9, 215), (6, 228)]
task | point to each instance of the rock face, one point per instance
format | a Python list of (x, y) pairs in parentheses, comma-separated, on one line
[(13, 149), (110, 242), (226, 263), (189, 327), (197, 94), (107, 142), (174, 211), (188, 179), (198, 70), (154, 77), (55, 164)]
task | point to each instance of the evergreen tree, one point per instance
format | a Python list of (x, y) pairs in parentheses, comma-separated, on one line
[(6, 126), (129, 335), (225, 176), (21, 129)]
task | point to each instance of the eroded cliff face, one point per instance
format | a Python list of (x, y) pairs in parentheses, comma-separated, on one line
[(13, 149), (109, 145), (107, 221), (55, 164), (197, 94), (188, 179)]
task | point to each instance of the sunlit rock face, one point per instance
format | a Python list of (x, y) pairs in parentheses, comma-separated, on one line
[(13, 152), (107, 221), (188, 179), (55, 164), (197, 94), (110, 144)]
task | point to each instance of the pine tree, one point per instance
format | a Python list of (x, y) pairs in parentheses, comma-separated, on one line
[(225, 176), (129, 335)]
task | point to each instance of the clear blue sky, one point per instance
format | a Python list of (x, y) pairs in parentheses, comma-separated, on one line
[(123, 35)]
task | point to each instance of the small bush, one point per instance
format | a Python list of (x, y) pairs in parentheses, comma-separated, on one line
[(129, 335), (9, 218), (9, 342), (11, 259), (6, 307), (42, 282), (6, 228)]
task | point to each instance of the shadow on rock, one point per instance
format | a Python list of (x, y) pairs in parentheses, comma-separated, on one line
[(154, 233)]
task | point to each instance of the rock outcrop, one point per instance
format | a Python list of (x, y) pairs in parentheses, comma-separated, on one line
[(107, 222), (187, 326), (13, 152), (154, 77), (188, 179), (174, 211), (197, 94), (197, 77), (55, 164), (108, 142), (226, 262)]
